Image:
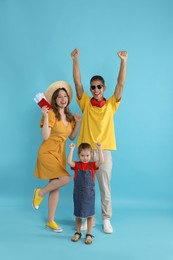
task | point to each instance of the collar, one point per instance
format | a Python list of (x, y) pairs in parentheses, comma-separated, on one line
[(97, 103)]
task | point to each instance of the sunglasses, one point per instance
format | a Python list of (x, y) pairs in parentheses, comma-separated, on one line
[(97, 86)]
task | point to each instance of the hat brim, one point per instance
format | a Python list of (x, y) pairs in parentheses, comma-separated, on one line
[(56, 85)]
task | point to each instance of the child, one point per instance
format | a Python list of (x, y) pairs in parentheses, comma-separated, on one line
[(58, 124), (84, 187)]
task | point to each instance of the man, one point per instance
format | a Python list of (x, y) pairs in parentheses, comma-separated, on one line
[(98, 126)]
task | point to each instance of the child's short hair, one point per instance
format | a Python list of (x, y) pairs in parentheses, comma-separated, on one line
[(84, 146)]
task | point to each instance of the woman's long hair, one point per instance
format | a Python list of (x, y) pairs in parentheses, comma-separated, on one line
[(55, 108)]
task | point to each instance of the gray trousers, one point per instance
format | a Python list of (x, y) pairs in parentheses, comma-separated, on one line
[(104, 176)]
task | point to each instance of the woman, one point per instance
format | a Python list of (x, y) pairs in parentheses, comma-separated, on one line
[(58, 124)]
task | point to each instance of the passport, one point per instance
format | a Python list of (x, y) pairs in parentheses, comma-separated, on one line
[(41, 100)]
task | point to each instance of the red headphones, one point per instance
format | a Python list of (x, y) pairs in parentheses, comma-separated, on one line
[(97, 103)]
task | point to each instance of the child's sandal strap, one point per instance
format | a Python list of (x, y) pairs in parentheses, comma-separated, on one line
[(79, 234), (89, 235), (88, 241), (76, 237)]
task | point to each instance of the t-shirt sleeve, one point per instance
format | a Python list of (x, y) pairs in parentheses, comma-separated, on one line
[(75, 167), (115, 104), (94, 166), (51, 119), (85, 99)]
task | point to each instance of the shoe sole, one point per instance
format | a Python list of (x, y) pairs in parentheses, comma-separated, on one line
[(33, 201), (55, 230), (106, 232)]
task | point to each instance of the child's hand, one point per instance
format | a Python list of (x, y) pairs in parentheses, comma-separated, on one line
[(72, 146), (123, 55), (99, 146), (75, 53)]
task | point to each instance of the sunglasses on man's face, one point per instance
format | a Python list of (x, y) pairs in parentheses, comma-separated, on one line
[(97, 86)]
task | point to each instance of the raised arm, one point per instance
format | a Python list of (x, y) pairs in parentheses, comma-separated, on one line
[(76, 73), (70, 155), (121, 76), (74, 132), (101, 157)]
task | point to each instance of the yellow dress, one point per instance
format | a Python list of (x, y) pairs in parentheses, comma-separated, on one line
[(51, 160)]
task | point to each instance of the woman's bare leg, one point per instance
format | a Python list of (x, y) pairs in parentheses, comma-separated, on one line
[(54, 184), (52, 204)]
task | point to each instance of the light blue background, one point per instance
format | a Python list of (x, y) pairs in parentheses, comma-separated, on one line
[(37, 38)]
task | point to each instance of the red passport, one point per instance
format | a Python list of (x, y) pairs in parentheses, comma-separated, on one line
[(43, 102)]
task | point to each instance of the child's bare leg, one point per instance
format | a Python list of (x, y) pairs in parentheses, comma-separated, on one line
[(78, 224), (89, 236), (77, 234), (90, 224)]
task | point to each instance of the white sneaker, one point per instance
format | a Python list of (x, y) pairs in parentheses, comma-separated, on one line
[(84, 225), (107, 228)]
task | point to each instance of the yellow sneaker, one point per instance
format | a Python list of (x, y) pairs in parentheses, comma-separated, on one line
[(53, 226), (37, 199)]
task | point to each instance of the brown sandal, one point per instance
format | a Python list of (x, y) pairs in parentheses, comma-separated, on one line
[(88, 239), (76, 237)]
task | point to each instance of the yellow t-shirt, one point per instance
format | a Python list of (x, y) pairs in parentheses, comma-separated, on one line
[(97, 123)]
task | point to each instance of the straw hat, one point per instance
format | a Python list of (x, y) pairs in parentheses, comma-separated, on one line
[(54, 86)]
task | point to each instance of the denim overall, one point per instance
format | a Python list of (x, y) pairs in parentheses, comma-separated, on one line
[(84, 193)]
